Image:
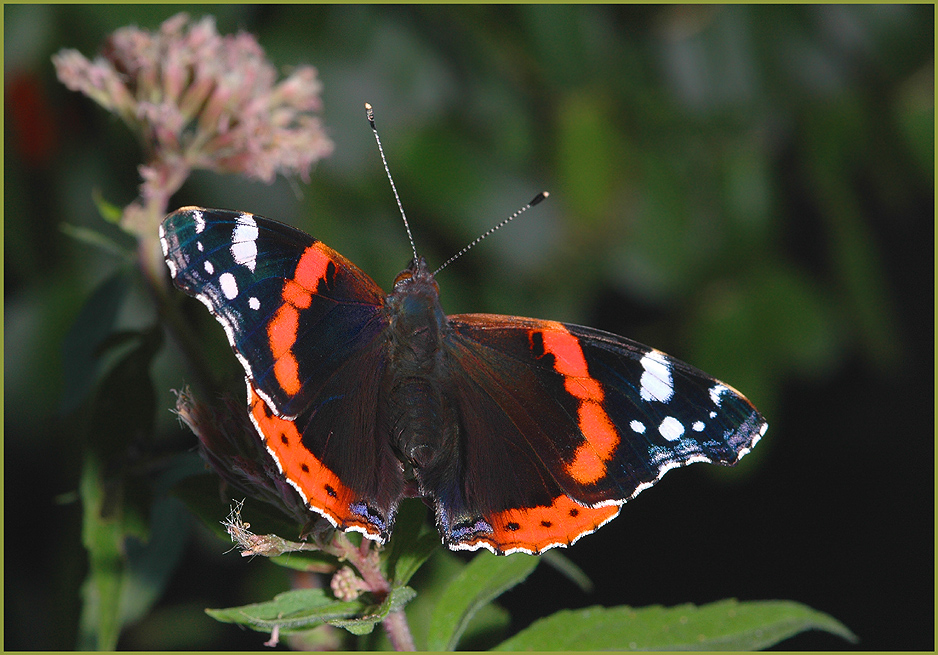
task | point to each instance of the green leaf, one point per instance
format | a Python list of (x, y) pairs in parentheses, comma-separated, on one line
[(298, 609), (396, 600), (483, 580), (489, 626), (586, 150), (108, 210), (723, 625), (98, 240), (150, 564), (124, 407), (81, 363), (115, 504), (568, 569), (102, 537), (413, 542)]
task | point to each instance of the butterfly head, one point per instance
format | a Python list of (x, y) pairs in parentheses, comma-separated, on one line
[(414, 305), (415, 276)]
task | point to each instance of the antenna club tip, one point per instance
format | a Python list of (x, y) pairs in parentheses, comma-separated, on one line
[(539, 197)]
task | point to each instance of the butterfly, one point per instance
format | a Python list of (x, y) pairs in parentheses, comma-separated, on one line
[(523, 434)]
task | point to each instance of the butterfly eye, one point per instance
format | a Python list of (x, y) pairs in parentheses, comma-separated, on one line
[(403, 276)]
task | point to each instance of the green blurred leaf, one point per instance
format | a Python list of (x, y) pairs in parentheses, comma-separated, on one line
[(487, 627), (723, 625), (586, 150), (794, 320), (109, 211), (125, 577), (568, 569), (151, 563), (81, 362), (98, 240), (124, 409), (413, 542), (482, 581), (839, 134), (915, 116), (102, 538)]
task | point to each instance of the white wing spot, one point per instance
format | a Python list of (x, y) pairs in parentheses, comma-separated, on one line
[(164, 244), (244, 242), (698, 426), (254, 303), (198, 244), (637, 426), (199, 221), (209, 268), (671, 429), (657, 383), (172, 267), (713, 414), (229, 287), (716, 393)]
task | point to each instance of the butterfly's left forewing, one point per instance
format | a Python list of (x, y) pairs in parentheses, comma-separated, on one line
[(293, 309), (574, 422), (305, 323)]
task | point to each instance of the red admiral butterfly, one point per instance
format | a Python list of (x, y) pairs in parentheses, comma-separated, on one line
[(525, 434)]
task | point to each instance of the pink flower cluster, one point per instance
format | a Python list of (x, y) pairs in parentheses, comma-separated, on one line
[(202, 100)]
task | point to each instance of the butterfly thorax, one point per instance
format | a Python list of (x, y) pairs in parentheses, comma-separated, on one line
[(416, 369)]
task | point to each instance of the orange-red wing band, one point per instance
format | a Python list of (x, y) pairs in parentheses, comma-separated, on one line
[(538, 528), (282, 330), (321, 489), (589, 461)]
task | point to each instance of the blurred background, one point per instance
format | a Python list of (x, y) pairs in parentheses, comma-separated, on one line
[(749, 189)]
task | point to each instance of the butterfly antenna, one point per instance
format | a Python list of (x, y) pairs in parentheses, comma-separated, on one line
[(539, 197), (370, 114)]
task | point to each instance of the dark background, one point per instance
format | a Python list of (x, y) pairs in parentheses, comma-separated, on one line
[(746, 188)]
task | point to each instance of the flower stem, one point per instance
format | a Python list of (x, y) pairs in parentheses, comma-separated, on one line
[(395, 624), (366, 559)]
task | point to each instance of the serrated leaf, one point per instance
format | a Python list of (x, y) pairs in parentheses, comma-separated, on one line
[(480, 582), (396, 600), (298, 609), (303, 609), (306, 560), (723, 625)]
